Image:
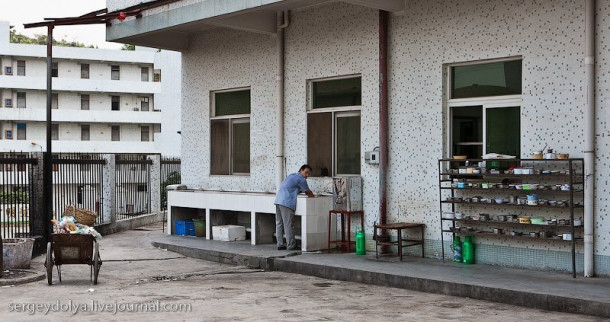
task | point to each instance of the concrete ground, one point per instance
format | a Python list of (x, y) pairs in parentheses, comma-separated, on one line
[(134, 271)]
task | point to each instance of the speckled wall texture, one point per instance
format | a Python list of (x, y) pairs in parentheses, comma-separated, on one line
[(338, 39)]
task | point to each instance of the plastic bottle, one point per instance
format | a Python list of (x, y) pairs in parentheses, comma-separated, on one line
[(360, 243), (468, 247), (456, 247)]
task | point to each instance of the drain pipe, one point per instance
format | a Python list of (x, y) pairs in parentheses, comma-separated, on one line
[(283, 20), (589, 153), (383, 114)]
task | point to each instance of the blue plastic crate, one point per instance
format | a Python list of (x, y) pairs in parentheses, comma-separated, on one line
[(190, 228), (180, 227)]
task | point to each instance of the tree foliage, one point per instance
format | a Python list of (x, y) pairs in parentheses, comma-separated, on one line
[(19, 196), (172, 178), (40, 39), (128, 47)]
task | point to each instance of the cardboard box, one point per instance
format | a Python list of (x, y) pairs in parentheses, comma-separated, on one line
[(229, 233)]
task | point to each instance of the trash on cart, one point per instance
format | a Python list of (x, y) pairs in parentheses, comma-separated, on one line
[(68, 225)]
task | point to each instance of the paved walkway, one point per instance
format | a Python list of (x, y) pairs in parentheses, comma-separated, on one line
[(535, 289)]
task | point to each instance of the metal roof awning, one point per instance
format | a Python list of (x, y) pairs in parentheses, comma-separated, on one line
[(170, 28)]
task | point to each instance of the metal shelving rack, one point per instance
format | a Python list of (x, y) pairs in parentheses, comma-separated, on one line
[(571, 172)]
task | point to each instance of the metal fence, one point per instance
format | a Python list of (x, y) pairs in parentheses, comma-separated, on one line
[(17, 195), (170, 174), (132, 185), (78, 180)]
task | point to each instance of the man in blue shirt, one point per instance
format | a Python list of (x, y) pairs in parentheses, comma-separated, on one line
[(286, 204)]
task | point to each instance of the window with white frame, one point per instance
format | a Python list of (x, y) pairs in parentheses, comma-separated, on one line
[(230, 132), (333, 126), (485, 107), (115, 72)]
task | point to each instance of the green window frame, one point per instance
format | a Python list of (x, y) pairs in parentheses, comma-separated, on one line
[(230, 132)]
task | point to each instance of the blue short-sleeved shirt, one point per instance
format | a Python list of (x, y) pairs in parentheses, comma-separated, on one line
[(290, 188)]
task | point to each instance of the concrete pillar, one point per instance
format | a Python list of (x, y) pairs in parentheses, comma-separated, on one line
[(109, 189), (39, 226), (155, 184)]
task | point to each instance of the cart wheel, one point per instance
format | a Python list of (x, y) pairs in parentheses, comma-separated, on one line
[(97, 262), (49, 263)]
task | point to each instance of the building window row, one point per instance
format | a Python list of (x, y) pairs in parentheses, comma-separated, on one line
[(115, 71), (85, 132), (85, 99)]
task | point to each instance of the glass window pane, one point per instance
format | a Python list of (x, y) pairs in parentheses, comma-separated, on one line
[(116, 101), (241, 146), (467, 131), (220, 147), (144, 74), (54, 101), (84, 71), (54, 131), (116, 133), (21, 97), (319, 143), (144, 134), (84, 133), (21, 131), (84, 102), (54, 69), (144, 104), (503, 130), (232, 103), (337, 92), (21, 68), (115, 72), (348, 144), (492, 79)]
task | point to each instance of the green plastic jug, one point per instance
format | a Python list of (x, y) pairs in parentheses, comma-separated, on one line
[(360, 243), (468, 250)]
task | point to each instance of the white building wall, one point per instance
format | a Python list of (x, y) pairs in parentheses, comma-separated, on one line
[(327, 41), (69, 86), (226, 59), (340, 39)]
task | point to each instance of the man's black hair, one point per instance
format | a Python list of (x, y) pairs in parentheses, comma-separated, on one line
[(305, 166)]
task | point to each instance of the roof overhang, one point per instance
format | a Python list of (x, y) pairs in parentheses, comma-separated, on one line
[(170, 27)]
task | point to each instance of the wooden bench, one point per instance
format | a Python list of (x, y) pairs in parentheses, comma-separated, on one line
[(400, 242)]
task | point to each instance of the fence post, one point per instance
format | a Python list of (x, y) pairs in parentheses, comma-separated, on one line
[(39, 226), (109, 189), (155, 184)]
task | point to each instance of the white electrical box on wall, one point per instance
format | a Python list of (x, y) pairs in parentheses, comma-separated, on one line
[(372, 157)]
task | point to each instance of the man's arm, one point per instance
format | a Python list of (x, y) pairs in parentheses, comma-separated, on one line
[(309, 194)]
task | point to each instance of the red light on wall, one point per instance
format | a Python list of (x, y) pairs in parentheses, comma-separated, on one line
[(122, 16)]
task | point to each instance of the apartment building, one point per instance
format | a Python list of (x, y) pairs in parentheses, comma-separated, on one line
[(103, 101)]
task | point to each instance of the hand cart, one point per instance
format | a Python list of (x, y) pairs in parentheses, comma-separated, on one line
[(73, 249)]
